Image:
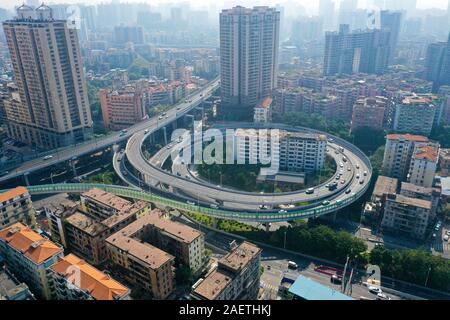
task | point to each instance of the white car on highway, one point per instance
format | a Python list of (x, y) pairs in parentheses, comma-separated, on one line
[(47, 157), (375, 290)]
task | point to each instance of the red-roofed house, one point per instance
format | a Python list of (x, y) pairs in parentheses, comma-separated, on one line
[(28, 255)]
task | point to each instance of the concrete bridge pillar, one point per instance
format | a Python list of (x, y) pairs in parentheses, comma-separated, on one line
[(165, 135), (25, 177), (214, 222), (72, 165), (191, 117)]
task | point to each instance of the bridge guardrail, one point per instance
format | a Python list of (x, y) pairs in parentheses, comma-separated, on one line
[(130, 192)]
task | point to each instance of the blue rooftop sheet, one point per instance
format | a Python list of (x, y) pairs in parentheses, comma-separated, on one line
[(308, 289)]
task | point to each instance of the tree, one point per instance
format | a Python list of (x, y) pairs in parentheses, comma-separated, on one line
[(369, 139)]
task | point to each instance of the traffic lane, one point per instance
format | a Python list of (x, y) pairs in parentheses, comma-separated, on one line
[(275, 270), (143, 166), (87, 147)]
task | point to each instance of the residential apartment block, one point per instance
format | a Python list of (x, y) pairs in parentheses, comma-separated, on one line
[(235, 277), (53, 107), (144, 265), (71, 278), (100, 215), (29, 254), (365, 51), (56, 215), (121, 108), (295, 151), (16, 206), (423, 165), (263, 111), (186, 244), (409, 216), (249, 40), (416, 114), (398, 153), (12, 289), (369, 112)]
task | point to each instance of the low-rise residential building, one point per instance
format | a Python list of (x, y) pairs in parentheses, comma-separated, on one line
[(144, 265), (71, 278), (12, 289), (101, 214), (236, 276), (398, 152), (263, 111), (181, 241), (373, 210), (16, 206), (30, 253), (121, 108), (409, 216), (418, 192), (383, 187), (444, 162), (369, 112), (86, 237), (423, 165), (56, 213)]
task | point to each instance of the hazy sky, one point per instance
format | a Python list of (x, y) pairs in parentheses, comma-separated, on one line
[(310, 4)]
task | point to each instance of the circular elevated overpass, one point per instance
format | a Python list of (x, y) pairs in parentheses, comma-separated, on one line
[(236, 204)]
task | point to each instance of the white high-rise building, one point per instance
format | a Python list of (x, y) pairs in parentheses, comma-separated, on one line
[(53, 108), (398, 153), (423, 165), (249, 41)]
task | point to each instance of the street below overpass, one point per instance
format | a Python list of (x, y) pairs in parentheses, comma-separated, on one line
[(97, 144)]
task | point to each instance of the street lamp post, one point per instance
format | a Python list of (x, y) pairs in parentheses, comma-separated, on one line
[(428, 275)]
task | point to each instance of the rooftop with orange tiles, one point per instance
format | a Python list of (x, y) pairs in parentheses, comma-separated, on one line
[(407, 136), (31, 244), (428, 152), (265, 103), (419, 99), (11, 194), (99, 285)]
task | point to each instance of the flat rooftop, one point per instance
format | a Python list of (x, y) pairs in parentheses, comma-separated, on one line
[(213, 285), (241, 256), (145, 252), (425, 204), (156, 218), (308, 289), (408, 137), (385, 185), (406, 186), (107, 199), (86, 224)]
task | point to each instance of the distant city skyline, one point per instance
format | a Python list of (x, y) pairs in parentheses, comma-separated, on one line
[(421, 4)]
